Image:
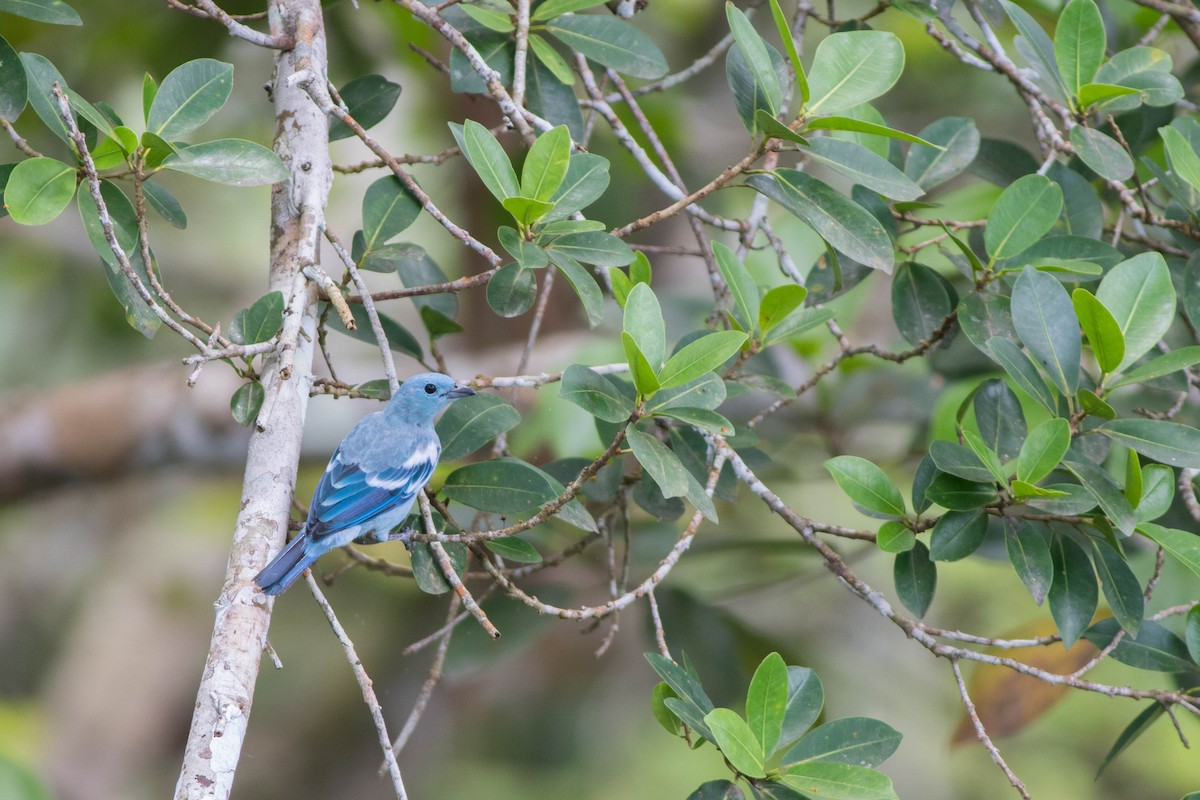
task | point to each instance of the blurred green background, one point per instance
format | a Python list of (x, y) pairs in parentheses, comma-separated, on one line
[(108, 571)]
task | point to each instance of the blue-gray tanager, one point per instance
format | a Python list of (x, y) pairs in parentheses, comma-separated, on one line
[(372, 479)]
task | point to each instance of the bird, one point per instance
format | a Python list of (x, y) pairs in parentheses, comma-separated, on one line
[(372, 479)]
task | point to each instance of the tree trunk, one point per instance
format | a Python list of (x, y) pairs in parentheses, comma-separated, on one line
[(243, 613)]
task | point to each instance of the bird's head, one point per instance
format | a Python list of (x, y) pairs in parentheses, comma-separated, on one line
[(422, 397)]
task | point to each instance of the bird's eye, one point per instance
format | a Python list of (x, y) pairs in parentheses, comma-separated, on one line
[(430, 388)]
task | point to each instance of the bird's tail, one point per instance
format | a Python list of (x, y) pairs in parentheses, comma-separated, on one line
[(286, 568)]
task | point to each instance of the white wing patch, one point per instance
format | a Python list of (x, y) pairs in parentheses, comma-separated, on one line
[(426, 454), (422, 455)]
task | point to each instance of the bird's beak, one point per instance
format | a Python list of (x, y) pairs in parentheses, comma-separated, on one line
[(460, 391)]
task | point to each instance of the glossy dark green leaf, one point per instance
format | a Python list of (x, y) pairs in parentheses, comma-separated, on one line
[(233, 162), (387, 209), (14, 86), (766, 702), (1122, 589), (1029, 552), (583, 283), (1102, 331), (708, 392), (512, 290), (1073, 594), (645, 376), (959, 139), (1037, 49), (957, 535), (1169, 442), (1025, 211), (959, 460), (488, 159), (959, 494), (246, 402), (399, 338), (368, 100), (592, 247), (507, 486), (1102, 154), (702, 355), (586, 179), (915, 576), (665, 716), (755, 61), (513, 549), (259, 322), (1158, 491), (611, 42), (717, 790), (1153, 648), (1191, 633), (742, 288), (983, 316), (472, 422), (1159, 366), (866, 484), (1043, 450), (546, 93), (837, 123), (415, 268), (862, 741), (1045, 320), (1183, 546), (657, 459), (805, 699), (41, 76), (864, 168), (54, 12), (1024, 374), (1140, 724), (526, 253), (189, 96), (1139, 294), (920, 302), (784, 29), (1101, 486), (426, 571), (690, 696), (1000, 418), (853, 67), (165, 204), (38, 190), (832, 781), (841, 222), (496, 49), (595, 394)]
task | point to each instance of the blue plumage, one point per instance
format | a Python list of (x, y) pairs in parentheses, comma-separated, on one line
[(373, 478)]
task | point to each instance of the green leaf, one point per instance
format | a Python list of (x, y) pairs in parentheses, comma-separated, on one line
[(156, 150), (1045, 320), (1073, 594), (1140, 724), (690, 697), (1106, 492), (866, 484), (583, 283), (643, 322), (591, 247), (368, 100), (489, 160), (665, 716), (14, 86), (789, 45), (757, 59), (1158, 492), (959, 494), (41, 76), (1153, 648), (1101, 328), (658, 460), (54, 12), (1093, 93), (1183, 546), (719, 790), (1043, 450), (861, 741), (387, 209), (1103, 154), (915, 576), (489, 18), (234, 162), (546, 164), (742, 287), (1165, 364), (895, 537), (38, 190), (165, 204), (594, 394), (1029, 552), (1191, 629), (836, 123), (1144, 69), (957, 535), (700, 356), (472, 422), (509, 486), (1121, 587), (585, 181), (805, 699), (526, 210), (1038, 49), (1139, 294), (707, 391), (767, 701), (259, 322), (246, 402), (1024, 374), (399, 339), (189, 96), (611, 42), (514, 549), (512, 290), (853, 67), (527, 254), (920, 301), (737, 742), (1025, 211), (549, 57), (1079, 43), (833, 781), (838, 220), (1168, 442), (778, 304), (1181, 156), (426, 571), (959, 142), (552, 8), (864, 168), (983, 316), (701, 418), (798, 322), (1000, 418), (958, 460), (644, 376)]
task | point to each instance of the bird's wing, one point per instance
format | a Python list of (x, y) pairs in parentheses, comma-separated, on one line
[(350, 493)]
